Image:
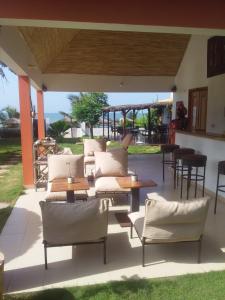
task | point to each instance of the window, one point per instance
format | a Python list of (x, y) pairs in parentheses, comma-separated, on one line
[(197, 109)]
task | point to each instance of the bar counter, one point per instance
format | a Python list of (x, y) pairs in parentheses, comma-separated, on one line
[(213, 146)]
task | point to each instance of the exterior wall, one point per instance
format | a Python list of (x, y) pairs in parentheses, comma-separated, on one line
[(193, 74), (79, 132), (214, 150)]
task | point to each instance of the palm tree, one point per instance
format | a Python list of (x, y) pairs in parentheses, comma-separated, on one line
[(2, 73), (70, 120)]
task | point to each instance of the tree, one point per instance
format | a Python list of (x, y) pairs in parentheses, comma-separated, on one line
[(70, 121), (58, 128), (8, 112), (11, 112), (87, 107), (2, 73)]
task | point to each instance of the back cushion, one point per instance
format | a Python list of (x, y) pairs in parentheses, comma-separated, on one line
[(173, 212), (127, 140), (93, 145), (58, 166), (113, 163)]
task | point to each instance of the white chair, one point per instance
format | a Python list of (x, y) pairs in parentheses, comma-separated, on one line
[(58, 168), (170, 222), (108, 166), (90, 147), (78, 223)]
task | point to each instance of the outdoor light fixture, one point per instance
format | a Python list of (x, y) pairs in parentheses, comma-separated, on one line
[(33, 110), (121, 84), (173, 88), (44, 88)]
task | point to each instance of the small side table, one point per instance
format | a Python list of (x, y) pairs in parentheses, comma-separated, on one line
[(127, 183), (61, 185)]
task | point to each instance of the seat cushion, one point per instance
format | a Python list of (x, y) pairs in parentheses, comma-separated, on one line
[(108, 184), (111, 163), (137, 219), (92, 145), (58, 166)]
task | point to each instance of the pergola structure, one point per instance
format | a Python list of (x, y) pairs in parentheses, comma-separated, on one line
[(124, 109), (96, 45)]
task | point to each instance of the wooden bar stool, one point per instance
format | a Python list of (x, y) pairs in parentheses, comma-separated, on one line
[(178, 155), (167, 149), (193, 162), (219, 187)]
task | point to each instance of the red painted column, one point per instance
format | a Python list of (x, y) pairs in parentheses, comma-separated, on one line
[(26, 130), (41, 118)]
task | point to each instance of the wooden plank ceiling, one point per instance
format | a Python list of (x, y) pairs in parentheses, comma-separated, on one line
[(97, 52)]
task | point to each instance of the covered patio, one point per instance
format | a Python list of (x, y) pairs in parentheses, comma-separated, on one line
[(81, 265), (141, 49)]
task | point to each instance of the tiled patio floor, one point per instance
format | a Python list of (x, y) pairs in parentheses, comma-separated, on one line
[(21, 242)]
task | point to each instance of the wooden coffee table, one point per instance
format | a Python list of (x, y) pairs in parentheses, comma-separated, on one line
[(126, 183), (61, 185)]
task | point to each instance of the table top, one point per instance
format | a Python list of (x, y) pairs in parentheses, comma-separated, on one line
[(61, 185), (126, 182)]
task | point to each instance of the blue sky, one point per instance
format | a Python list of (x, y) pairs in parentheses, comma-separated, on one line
[(57, 101)]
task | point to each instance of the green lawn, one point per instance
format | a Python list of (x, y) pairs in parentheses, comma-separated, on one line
[(133, 149), (11, 185), (208, 286)]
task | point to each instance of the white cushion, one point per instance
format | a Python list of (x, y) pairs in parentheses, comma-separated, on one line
[(111, 163), (58, 166), (92, 145)]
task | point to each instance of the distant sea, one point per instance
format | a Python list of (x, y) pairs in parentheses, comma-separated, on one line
[(53, 117)]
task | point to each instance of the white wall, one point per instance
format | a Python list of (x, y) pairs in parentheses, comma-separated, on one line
[(79, 132), (193, 74)]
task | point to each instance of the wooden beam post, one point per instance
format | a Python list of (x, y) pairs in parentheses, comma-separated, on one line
[(114, 125), (124, 113), (108, 125), (133, 118), (149, 125), (41, 118), (26, 131), (103, 123)]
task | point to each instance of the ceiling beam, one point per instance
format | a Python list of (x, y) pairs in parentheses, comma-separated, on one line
[(101, 83), (112, 27), (187, 13)]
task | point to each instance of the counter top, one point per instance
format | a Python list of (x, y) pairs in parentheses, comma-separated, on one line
[(207, 135)]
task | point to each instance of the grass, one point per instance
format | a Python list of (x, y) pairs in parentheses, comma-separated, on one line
[(8, 148), (207, 286), (133, 149), (11, 185)]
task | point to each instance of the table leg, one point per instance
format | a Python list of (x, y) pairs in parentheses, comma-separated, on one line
[(70, 196), (135, 200)]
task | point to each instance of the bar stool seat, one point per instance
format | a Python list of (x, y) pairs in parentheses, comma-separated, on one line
[(193, 162), (178, 155), (219, 187), (167, 149)]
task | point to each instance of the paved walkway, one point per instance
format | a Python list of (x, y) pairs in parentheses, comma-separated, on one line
[(21, 242)]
